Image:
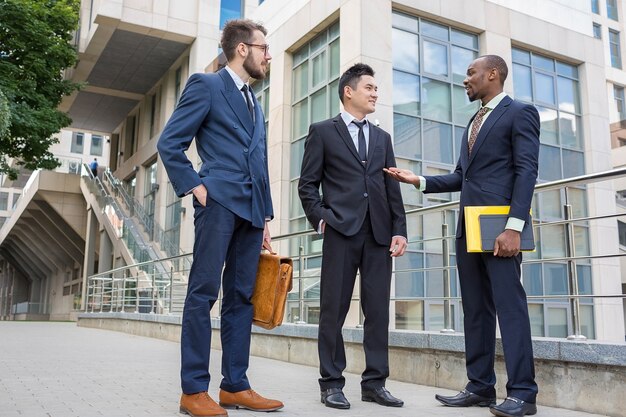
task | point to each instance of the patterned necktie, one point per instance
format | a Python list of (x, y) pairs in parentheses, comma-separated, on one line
[(478, 121), (245, 89), (362, 147)]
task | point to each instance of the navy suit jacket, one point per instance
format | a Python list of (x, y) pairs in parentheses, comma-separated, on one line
[(233, 148), (502, 169), (350, 188)]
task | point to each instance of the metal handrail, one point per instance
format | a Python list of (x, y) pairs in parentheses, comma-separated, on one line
[(135, 209), (570, 259)]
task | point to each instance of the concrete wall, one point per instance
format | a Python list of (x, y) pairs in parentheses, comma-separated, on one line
[(585, 376)]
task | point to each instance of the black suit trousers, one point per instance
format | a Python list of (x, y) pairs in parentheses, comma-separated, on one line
[(491, 285), (342, 257)]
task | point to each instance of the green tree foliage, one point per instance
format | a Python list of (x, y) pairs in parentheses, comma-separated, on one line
[(5, 118), (35, 47)]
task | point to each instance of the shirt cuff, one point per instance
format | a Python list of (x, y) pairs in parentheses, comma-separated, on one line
[(515, 224), (191, 191), (422, 185), (319, 227)]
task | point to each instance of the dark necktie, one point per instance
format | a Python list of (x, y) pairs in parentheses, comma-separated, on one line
[(362, 147), (245, 89), (476, 127)]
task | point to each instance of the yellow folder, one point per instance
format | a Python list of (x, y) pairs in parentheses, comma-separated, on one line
[(483, 224)]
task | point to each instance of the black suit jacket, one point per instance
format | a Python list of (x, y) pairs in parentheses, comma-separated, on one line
[(349, 187)]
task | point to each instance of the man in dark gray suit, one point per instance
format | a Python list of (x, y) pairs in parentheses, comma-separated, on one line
[(362, 218)]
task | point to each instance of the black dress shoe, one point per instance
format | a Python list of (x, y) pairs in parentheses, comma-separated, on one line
[(334, 398), (381, 396), (465, 399), (514, 407)]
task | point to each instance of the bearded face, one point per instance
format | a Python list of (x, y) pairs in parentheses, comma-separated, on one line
[(254, 66)]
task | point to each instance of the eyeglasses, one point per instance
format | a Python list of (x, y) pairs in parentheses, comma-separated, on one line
[(265, 47)]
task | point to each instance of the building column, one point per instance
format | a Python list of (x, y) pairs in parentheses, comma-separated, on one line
[(105, 254), (90, 252)]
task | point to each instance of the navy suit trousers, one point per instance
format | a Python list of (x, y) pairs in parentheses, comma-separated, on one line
[(221, 237), (491, 284)]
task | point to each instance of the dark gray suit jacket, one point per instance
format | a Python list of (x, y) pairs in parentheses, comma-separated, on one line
[(349, 187)]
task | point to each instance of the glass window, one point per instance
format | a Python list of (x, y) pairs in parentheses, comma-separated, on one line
[(435, 58), (150, 187), (171, 234), (544, 88), (96, 145), (615, 48), (407, 134), (557, 322), (177, 84), (153, 104), (523, 82), (407, 57), (611, 9), (595, 6), (261, 89), (436, 100), (535, 313), (553, 87), (431, 108), (621, 227), (549, 163), (556, 280), (410, 315), (230, 9), (77, 142), (406, 93), (587, 325), (597, 31), (4, 200), (618, 95), (315, 79), (438, 142), (549, 126)]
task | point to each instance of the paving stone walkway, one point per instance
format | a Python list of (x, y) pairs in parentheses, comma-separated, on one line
[(56, 369)]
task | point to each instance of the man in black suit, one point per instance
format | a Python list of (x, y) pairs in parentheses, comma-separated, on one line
[(362, 218), (497, 167)]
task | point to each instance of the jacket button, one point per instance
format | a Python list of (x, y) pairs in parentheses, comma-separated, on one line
[(365, 195), (245, 149), (466, 179)]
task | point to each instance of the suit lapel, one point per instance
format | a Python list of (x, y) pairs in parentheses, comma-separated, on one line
[(259, 122), (345, 136), (487, 125), (373, 142), (236, 101)]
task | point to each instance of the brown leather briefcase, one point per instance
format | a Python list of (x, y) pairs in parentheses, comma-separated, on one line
[(273, 282)]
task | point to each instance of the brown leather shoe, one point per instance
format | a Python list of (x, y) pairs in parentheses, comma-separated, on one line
[(248, 399), (200, 405)]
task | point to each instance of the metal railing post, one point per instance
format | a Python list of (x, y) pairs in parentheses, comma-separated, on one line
[(153, 307), (572, 274), (169, 307), (301, 286), (124, 291), (101, 296), (87, 296), (137, 294), (445, 250)]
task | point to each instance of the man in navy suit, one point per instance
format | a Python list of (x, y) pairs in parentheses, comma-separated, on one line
[(497, 166), (232, 201), (362, 217)]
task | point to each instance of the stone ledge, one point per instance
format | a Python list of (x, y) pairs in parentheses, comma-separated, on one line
[(549, 349)]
